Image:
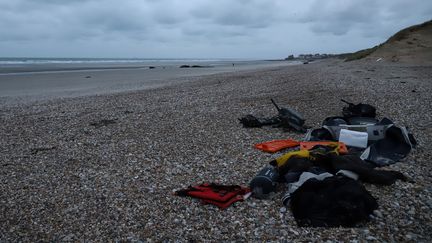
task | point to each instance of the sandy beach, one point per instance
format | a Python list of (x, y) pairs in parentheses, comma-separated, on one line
[(67, 176)]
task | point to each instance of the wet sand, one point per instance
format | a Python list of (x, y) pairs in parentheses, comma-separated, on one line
[(41, 82)]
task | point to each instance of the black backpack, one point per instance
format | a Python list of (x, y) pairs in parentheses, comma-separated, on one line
[(359, 110)]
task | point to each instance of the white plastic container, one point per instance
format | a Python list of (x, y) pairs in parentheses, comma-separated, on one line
[(353, 138)]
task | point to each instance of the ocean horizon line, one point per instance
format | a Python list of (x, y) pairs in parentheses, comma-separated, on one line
[(83, 60)]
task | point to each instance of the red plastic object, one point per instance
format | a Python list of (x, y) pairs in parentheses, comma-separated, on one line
[(277, 145), (223, 205), (206, 192), (220, 195)]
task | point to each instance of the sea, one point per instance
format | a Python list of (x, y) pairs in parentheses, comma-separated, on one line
[(49, 60), (29, 64), (14, 61)]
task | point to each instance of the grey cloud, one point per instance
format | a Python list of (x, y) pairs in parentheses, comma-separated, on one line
[(370, 16), (246, 13), (216, 33), (339, 17), (119, 19), (80, 19), (167, 19), (232, 24), (243, 19)]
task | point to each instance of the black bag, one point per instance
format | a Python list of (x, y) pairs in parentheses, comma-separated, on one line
[(359, 110)]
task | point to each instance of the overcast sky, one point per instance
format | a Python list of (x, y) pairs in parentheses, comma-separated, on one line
[(200, 28)]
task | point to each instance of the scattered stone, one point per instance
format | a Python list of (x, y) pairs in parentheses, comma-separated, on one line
[(370, 238), (378, 213), (68, 238), (412, 211), (120, 181), (294, 232), (408, 236)]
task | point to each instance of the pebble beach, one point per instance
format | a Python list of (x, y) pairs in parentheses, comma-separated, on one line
[(104, 167)]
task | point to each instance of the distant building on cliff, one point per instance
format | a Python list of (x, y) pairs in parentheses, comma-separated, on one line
[(290, 57), (314, 56)]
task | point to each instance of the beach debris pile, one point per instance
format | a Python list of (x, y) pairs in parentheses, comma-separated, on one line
[(323, 173)]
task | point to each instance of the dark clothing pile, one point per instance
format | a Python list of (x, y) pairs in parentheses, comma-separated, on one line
[(326, 191), (332, 163), (332, 202)]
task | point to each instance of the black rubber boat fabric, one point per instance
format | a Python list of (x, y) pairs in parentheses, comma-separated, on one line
[(333, 202), (390, 149)]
